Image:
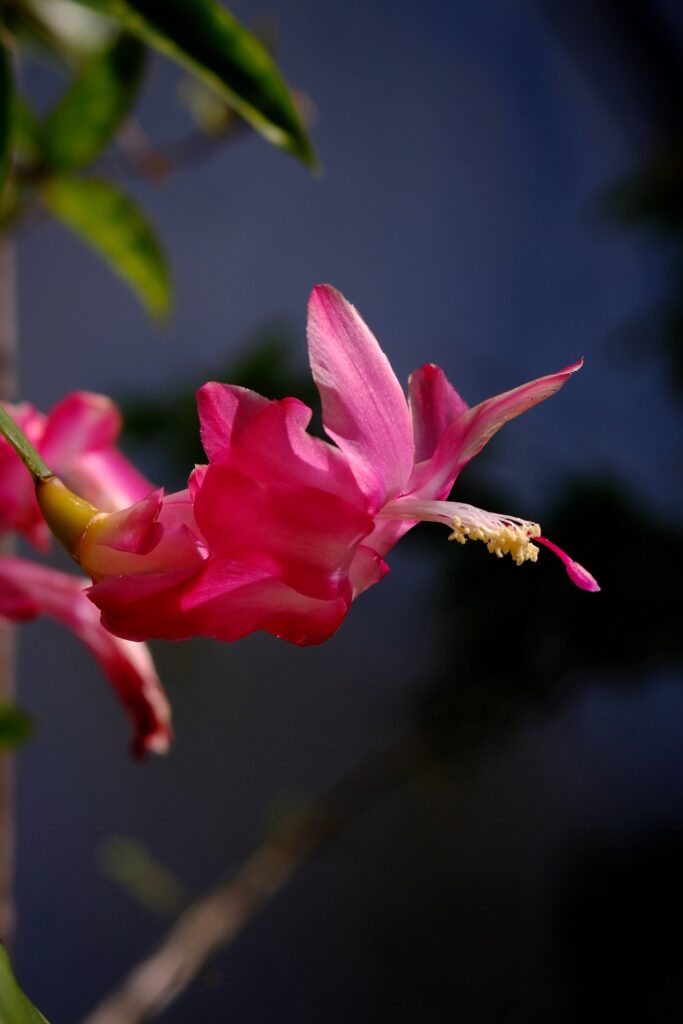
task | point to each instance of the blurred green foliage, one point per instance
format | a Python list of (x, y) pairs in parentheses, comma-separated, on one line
[(631, 54), (103, 46), (653, 195), (14, 1006), (524, 640), (209, 41), (107, 220), (651, 199), (5, 113), (15, 726), (146, 880), (83, 122)]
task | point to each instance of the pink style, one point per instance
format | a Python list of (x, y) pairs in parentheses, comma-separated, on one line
[(282, 530), (78, 437)]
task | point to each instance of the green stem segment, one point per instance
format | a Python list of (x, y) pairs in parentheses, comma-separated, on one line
[(38, 469), (67, 515)]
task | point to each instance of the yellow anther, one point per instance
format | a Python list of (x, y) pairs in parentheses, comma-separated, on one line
[(501, 538)]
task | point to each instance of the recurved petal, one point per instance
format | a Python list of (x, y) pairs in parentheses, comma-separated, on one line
[(434, 405), (130, 669), (28, 590), (157, 534), (366, 569), (468, 434), (224, 411), (364, 409), (135, 530)]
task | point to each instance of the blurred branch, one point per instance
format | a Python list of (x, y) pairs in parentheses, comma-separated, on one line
[(146, 159), (217, 919), (155, 162), (139, 158)]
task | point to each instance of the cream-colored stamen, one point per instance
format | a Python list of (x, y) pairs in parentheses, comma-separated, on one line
[(500, 536)]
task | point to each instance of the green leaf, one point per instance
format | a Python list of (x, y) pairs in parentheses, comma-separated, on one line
[(86, 118), (6, 92), (112, 224), (14, 1006), (15, 727), (145, 878), (26, 130), (204, 37)]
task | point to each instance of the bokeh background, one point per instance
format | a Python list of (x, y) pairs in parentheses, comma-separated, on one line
[(501, 194)]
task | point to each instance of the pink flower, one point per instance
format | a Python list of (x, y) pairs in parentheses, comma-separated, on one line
[(28, 590), (78, 439), (281, 531)]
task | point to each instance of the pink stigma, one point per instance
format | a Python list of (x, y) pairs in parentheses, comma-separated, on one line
[(579, 576)]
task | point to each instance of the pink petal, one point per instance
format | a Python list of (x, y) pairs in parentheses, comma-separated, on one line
[(16, 604), (77, 441), (19, 509), (106, 479), (79, 445), (226, 601), (434, 404), (28, 590), (196, 480), (30, 419), (468, 434), (364, 408), (306, 538), (285, 502), (145, 606), (367, 568), (388, 532), (224, 411), (135, 530), (158, 534), (82, 421), (276, 447)]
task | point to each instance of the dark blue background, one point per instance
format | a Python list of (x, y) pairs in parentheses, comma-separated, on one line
[(465, 150)]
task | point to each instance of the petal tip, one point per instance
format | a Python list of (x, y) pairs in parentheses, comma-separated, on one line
[(157, 742), (322, 294), (427, 369)]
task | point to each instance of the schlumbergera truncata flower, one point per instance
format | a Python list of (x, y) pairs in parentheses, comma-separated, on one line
[(78, 437), (281, 531)]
